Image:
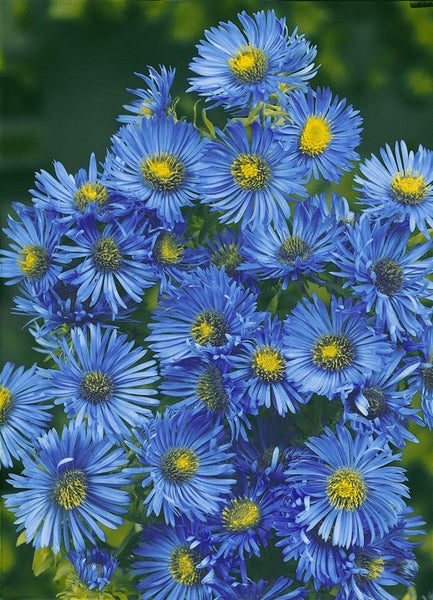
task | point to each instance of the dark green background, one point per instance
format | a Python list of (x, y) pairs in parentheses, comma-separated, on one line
[(64, 69)]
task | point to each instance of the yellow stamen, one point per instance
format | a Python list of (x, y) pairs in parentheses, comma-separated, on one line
[(315, 136), (346, 489)]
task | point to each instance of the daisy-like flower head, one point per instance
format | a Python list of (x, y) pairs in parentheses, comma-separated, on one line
[(102, 379), (205, 314), (250, 179), (330, 350), (260, 365), (260, 590), (240, 68), (186, 463), (153, 100), (226, 249), (112, 266), (33, 254), (350, 489), (245, 524), (72, 195), (206, 385), (323, 132), (389, 278), (95, 567), (301, 246), (24, 410), (398, 186), (71, 486), (380, 406), (170, 256), (157, 164), (171, 566)]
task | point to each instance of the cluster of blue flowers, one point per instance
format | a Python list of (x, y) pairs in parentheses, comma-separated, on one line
[(233, 358)]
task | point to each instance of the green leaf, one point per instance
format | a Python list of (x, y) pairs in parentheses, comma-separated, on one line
[(21, 539), (43, 560)]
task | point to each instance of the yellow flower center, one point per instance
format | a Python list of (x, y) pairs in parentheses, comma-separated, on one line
[(163, 172), (106, 255), (183, 566), (250, 172), (268, 364), (292, 248), (409, 188), (179, 464), (35, 261), (389, 276), (346, 489), (243, 514), (333, 352), (249, 65), (5, 403), (209, 327), (90, 192), (96, 387), (374, 566), (315, 136), (70, 489), (227, 255), (210, 389), (166, 250)]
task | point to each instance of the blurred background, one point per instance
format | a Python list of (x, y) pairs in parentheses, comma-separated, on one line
[(64, 69)]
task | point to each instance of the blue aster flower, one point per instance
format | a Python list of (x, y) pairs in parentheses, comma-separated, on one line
[(238, 68), (261, 365), (381, 405), (250, 178), (205, 314), (260, 590), (423, 377), (157, 163), (330, 350), (171, 566), (24, 410), (70, 196), (398, 186), (71, 488), (388, 278), (153, 100), (33, 254), (299, 247), (350, 489), (323, 132), (112, 266), (103, 380), (206, 384), (186, 464), (245, 522), (95, 567)]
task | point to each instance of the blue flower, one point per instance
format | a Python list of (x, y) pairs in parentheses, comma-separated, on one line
[(103, 380), (389, 279), (260, 365), (112, 265), (153, 100), (330, 350), (72, 195), (250, 178), (94, 567), (240, 68), (205, 314), (323, 133), (33, 254), (302, 246), (260, 590), (171, 565), (245, 523), (423, 377), (381, 406), (24, 410), (156, 163), (398, 186), (350, 489), (226, 249), (71, 487), (186, 463), (206, 384)]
